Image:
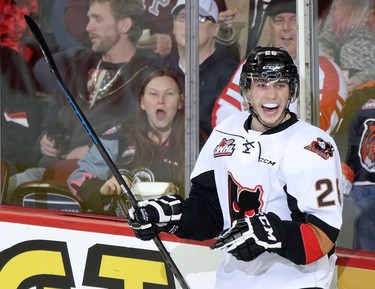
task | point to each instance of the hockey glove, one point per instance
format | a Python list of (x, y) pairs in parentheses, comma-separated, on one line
[(154, 216), (247, 238)]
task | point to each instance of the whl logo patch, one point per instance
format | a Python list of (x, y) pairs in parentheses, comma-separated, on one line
[(224, 148)]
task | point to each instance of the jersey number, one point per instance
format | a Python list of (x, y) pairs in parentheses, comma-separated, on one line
[(326, 187)]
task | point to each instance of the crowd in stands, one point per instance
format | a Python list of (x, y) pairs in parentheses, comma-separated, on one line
[(125, 64)]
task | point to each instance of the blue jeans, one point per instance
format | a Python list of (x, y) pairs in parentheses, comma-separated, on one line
[(364, 226)]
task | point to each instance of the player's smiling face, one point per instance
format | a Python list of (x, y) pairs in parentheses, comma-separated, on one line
[(269, 100)]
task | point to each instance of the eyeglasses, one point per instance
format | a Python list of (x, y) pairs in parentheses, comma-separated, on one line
[(181, 17)]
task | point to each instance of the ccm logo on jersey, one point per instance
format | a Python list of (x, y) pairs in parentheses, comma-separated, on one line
[(225, 148), (321, 147)]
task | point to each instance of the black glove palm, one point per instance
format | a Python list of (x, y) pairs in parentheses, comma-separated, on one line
[(247, 238)]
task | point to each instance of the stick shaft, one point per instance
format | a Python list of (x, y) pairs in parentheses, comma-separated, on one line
[(111, 165)]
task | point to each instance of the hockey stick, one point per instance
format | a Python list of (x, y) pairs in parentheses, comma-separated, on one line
[(112, 167)]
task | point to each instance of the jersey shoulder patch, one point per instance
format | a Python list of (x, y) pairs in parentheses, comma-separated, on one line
[(322, 148)]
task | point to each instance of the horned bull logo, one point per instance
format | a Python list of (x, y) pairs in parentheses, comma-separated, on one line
[(367, 146)]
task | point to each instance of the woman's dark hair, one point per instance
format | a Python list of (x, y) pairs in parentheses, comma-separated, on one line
[(141, 129)]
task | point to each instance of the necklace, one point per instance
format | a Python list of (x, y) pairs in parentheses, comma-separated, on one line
[(109, 84), (97, 91)]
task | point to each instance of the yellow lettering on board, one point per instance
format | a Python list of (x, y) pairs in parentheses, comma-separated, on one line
[(134, 272), (28, 264)]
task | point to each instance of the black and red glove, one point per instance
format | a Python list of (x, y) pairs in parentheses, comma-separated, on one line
[(249, 237)]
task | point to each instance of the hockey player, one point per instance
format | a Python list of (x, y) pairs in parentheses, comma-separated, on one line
[(261, 185)]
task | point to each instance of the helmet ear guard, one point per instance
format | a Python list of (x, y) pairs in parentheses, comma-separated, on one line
[(270, 63)]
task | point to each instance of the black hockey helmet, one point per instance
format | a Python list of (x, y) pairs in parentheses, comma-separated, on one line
[(270, 63)]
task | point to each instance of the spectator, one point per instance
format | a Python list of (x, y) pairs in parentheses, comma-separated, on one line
[(158, 26), (359, 170), (103, 80), (64, 39), (159, 23), (150, 148), (75, 19), (61, 15), (215, 65), (357, 98), (349, 36), (158, 35), (13, 29), (20, 111), (275, 216), (332, 82)]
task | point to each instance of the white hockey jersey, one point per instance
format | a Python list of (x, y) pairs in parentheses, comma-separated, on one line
[(291, 170)]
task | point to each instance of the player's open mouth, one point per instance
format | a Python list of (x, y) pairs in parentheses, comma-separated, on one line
[(270, 107)]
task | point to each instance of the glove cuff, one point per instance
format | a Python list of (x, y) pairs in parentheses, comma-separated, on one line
[(171, 227), (274, 233)]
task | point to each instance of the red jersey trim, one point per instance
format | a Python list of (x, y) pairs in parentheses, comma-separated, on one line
[(310, 244)]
